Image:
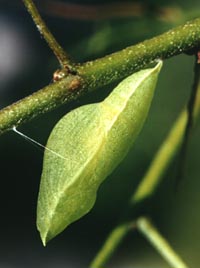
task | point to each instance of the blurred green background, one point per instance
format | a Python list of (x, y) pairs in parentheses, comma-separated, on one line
[(27, 64)]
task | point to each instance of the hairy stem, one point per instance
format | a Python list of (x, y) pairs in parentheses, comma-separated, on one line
[(50, 39), (103, 71), (39, 103)]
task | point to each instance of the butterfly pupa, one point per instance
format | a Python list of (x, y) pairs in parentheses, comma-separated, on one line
[(92, 139)]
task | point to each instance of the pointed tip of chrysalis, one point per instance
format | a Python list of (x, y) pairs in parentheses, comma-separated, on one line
[(59, 202), (44, 242), (44, 236), (45, 239)]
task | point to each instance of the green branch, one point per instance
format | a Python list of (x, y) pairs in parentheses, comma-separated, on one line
[(111, 244), (39, 103), (95, 74), (43, 29), (145, 227), (120, 64)]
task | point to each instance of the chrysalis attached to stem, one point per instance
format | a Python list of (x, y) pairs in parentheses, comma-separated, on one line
[(93, 139)]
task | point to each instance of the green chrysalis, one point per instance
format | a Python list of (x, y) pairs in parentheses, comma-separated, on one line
[(91, 141)]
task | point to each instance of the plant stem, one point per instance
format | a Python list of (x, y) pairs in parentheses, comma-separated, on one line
[(98, 73), (154, 174), (44, 31), (131, 59), (111, 244), (149, 231), (190, 119), (39, 102), (159, 243)]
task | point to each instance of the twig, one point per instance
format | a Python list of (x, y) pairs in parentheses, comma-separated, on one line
[(111, 244), (40, 102), (190, 119), (145, 226), (50, 39), (98, 73)]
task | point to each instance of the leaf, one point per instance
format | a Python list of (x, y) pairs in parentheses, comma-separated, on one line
[(89, 143)]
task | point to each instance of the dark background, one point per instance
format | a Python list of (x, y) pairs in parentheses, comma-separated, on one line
[(27, 64)]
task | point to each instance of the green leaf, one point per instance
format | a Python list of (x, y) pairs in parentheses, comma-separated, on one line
[(90, 142)]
